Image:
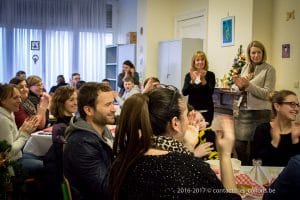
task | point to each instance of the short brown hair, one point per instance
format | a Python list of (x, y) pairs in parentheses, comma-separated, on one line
[(88, 94)]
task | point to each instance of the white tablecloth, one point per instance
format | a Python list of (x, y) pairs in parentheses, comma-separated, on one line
[(271, 172), (38, 144)]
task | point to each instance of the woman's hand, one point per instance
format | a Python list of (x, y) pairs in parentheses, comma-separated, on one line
[(194, 75), (44, 104), (241, 82), (202, 74), (190, 137), (225, 137), (295, 132), (225, 142), (30, 124), (203, 149), (150, 85), (275, 134)]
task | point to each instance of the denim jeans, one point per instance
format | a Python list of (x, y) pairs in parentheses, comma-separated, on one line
[(32, 165)]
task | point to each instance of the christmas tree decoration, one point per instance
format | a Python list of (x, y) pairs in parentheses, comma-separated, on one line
[(238, 63)]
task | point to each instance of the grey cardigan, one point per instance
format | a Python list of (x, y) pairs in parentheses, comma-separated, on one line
[(260, 87)]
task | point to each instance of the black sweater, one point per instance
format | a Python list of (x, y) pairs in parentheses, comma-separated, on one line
[(172, 176)]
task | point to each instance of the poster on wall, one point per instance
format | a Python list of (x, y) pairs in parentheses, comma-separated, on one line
[(227, 31), (285, 51), (35, 45)]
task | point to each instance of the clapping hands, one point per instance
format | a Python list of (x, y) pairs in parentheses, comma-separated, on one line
[(30, 124), (225, 138)]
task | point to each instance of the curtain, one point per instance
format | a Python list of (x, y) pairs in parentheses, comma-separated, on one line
[(23, 54), (91, 56), (2, 54), (71, 34), (58, 56)]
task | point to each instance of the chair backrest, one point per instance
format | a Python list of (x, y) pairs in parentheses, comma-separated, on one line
[(65, 186)]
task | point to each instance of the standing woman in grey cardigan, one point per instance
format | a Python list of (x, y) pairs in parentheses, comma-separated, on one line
[(256, 82)]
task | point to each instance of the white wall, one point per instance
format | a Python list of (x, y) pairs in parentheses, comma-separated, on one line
[(221, 58), (127, 19), (157, 17), (286, 32)]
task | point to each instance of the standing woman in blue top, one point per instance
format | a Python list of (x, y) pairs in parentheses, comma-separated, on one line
[(199, 84)]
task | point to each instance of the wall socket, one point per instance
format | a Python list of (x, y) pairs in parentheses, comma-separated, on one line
[(296, 84)]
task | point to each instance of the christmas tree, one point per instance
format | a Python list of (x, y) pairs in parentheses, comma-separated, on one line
[(238, 62)]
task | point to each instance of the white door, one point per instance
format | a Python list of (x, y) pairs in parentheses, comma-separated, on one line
[(174, 68), (163, 61), (126, 52)]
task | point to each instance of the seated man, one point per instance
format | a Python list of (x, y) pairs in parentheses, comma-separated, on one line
[(87, 153), (130, 89)]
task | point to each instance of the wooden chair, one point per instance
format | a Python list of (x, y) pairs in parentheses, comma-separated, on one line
[(65, 186)]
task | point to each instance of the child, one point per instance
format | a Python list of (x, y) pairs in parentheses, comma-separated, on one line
[(130, 89), (206, 136)]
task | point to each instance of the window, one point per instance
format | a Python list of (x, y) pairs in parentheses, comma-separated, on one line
[(24, 58), (109, 39), (58, 56), (2, 54)]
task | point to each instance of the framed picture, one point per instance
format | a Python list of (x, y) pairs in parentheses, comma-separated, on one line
[(227, 31), (285, 51), (35, 45)]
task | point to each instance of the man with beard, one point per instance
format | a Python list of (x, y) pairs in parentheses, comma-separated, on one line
[(87, 152)]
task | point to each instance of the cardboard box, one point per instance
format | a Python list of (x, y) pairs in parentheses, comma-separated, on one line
[(131, 38)]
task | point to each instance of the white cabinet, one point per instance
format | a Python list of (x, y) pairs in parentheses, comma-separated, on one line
[(115, 56), (175, 59), (126, 52)]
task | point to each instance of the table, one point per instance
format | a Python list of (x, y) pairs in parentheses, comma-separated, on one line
[(38, 143), (249, 187)]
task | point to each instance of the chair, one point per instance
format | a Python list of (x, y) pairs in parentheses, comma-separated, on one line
[(65, 186)]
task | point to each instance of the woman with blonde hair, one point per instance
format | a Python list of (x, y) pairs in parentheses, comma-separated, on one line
[(255, 83), (199, 85), (38, 96)]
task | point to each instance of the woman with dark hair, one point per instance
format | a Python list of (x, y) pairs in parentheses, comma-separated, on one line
[(151, 161), (128, 71), (277, 141)]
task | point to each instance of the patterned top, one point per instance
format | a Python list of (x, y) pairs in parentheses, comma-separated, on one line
[(172, 176)]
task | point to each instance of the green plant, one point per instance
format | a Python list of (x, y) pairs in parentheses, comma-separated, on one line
[(11, 173)]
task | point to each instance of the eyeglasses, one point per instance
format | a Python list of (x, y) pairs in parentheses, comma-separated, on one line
[(291, 104), (170, 87)]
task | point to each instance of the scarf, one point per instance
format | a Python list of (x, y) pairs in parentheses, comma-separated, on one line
[(169, 144), (29, 107)]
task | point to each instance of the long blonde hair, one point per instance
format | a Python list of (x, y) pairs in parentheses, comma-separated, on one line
[(195, 56)]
